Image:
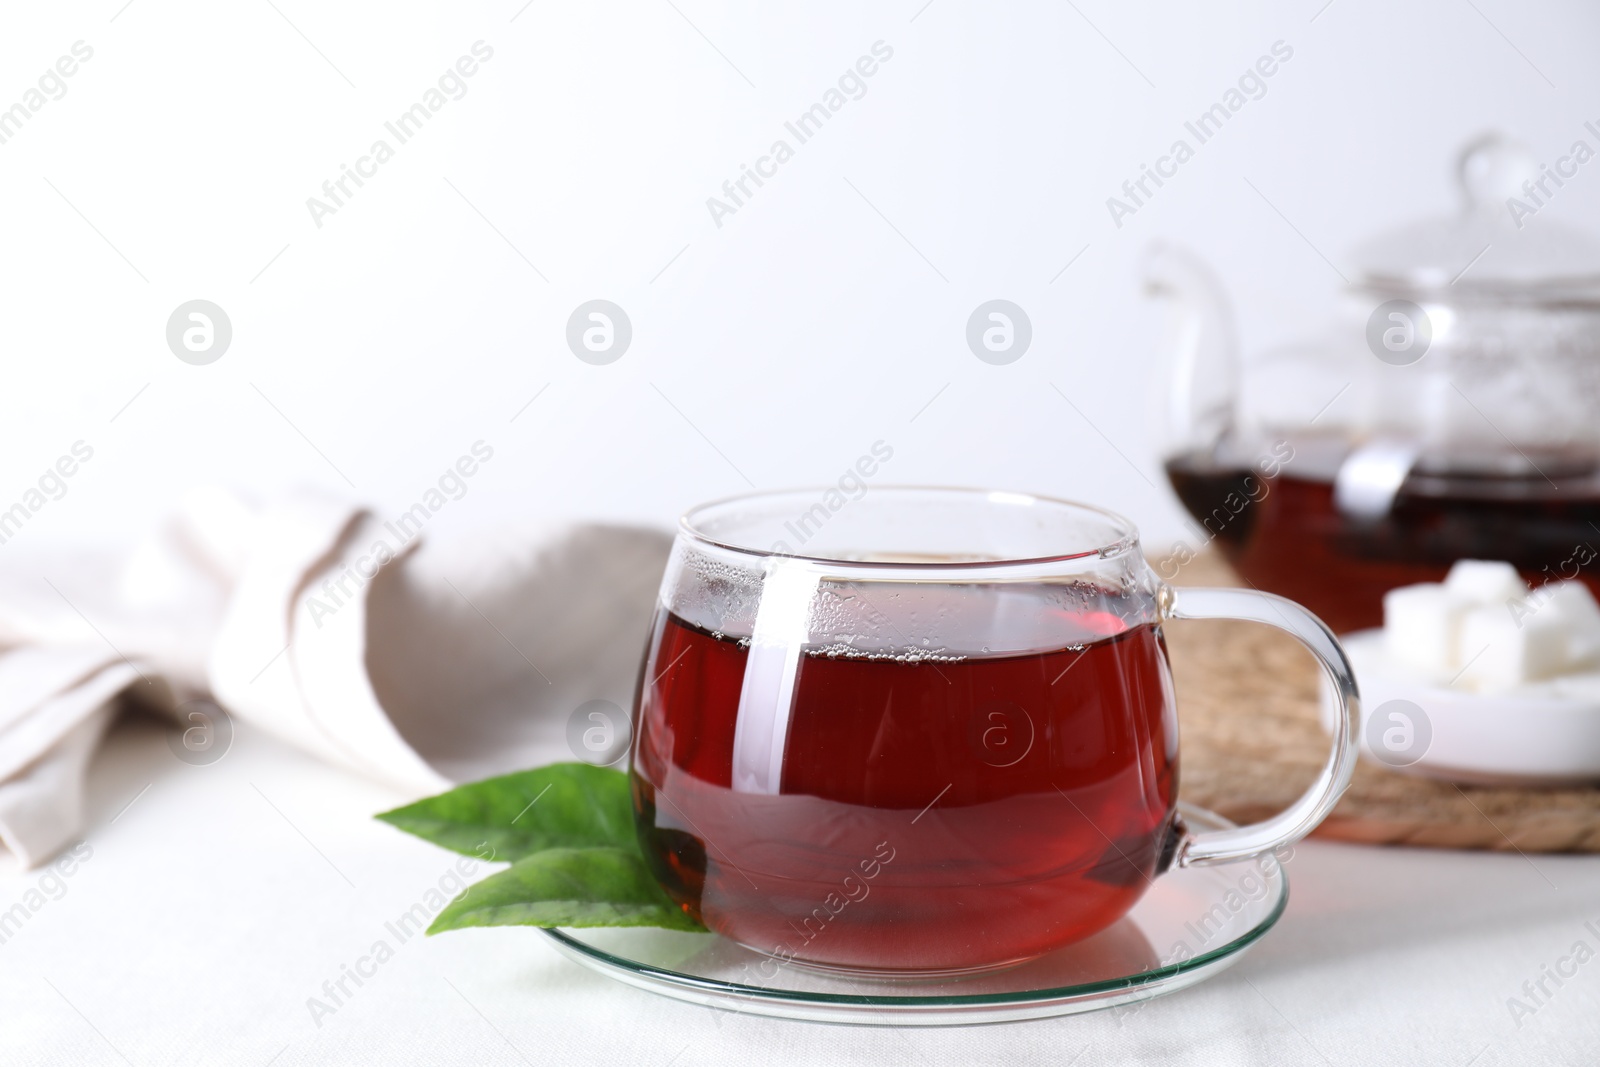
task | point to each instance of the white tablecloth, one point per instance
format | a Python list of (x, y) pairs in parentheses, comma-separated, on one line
[(197, 921)]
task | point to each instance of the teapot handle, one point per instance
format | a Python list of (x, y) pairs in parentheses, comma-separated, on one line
[(1301, 817)]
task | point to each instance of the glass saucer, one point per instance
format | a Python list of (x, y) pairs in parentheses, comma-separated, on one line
[(1192, 923)]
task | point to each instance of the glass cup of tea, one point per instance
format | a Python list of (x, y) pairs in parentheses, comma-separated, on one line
[(927, 731)]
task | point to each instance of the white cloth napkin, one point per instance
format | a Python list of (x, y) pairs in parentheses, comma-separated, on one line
[(418, 664)]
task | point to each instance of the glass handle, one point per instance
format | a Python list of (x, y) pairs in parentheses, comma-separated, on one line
[(1301, 817)]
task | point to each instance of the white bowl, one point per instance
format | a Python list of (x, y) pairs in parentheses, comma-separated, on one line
[(1538, 734)]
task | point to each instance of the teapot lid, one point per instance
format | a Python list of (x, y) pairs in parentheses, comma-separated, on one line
[(1494, 246)]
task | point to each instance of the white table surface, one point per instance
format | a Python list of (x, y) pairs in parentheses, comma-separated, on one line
[(212, 907)]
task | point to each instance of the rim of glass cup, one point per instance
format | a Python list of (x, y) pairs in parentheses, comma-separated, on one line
[(1127, 539)]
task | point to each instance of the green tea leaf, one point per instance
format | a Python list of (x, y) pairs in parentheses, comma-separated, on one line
[(567, 887), (565, 805)]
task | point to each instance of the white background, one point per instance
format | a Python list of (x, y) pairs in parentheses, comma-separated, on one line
[(791, 338)]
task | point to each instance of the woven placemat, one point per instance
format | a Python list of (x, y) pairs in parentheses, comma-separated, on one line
[(1247, 709)]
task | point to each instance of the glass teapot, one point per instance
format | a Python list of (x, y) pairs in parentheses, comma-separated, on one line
[(1450, 411)]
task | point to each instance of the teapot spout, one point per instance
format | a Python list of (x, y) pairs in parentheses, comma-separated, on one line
[(1200, 361)]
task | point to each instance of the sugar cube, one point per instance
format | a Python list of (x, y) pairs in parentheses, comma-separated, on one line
[(1481, 581), (1575, 611), (1420, 626), (1499, 650)]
